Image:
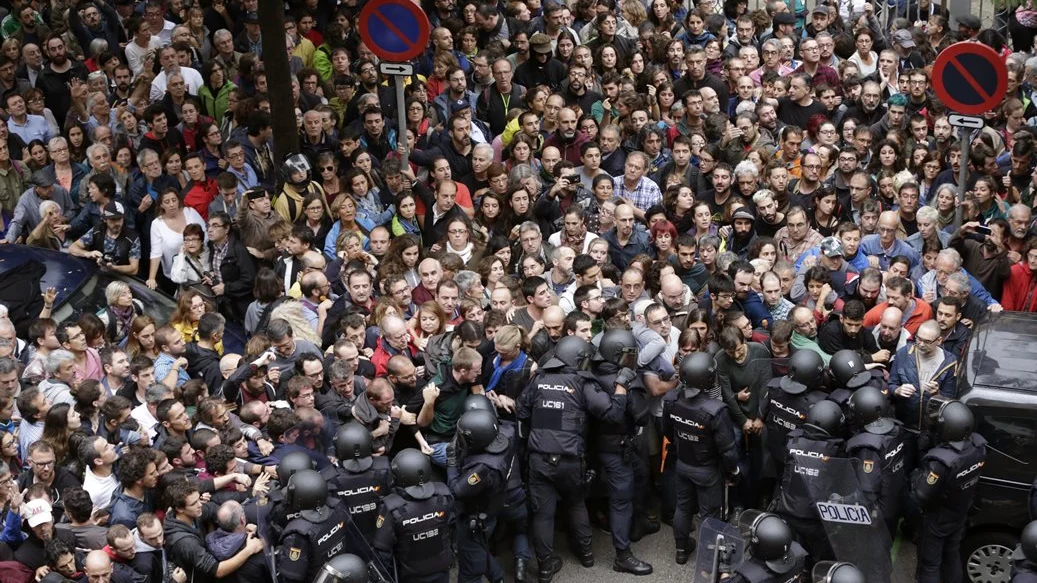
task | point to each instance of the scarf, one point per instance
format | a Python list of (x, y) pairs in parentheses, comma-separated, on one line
[(123, 319), (499, 371), (465, 253)]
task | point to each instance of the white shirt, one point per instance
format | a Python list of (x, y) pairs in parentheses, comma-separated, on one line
[(192, 78), (101, 489), (166, 243), (141, 414), (135, 54)]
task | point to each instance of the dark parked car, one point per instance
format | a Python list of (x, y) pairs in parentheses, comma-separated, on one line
[(999, 383), (81, 288)]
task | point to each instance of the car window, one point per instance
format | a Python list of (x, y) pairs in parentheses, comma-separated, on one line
[(1009, 437), (90, 297)]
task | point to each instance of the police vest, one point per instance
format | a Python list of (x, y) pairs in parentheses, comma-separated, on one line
[(692, 422), (360, 493), (422, 532), (558, 408), (610, 437), (964, 462), (808, 455), (499, 468), (326, 540), (510, 430), (890, 447), (786, 412)]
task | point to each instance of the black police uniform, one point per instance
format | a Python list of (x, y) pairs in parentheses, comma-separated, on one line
[(554, 408), (361, 492), (755, 571), (944, 487), (840, 395), (306, 545), (418, 533), (883, 468), (477, 485), (703, 442), (782, 412), (795, 502), (1024, 571), (617, 453)]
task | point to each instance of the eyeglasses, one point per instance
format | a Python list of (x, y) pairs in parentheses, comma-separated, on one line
[(327, 168), (217, 226), (457, 231), (920, 340), (662, 320), (42, 464)]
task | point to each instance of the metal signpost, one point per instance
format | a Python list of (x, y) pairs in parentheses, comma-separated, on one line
[(396, 31), (971, 79)]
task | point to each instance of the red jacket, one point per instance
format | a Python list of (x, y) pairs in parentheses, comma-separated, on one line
[(1021, 283), (198, 195)]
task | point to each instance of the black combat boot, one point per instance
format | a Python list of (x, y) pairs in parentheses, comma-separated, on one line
[(626, 562), (548, 569)]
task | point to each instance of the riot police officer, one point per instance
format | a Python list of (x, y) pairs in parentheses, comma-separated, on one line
[(554, 408), (773, 556), (318, 533), (818, 439), (703, 440), (278, 512), (484, 461), (615, 447), (847, 374), (834, 572), (416, 522), (1024, 560), (880, 446), (361, 479), (343, 568), (785, 404), (943, 487)]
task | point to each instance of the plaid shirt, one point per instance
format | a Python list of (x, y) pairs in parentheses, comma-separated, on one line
[(644, 195), (219, 252)]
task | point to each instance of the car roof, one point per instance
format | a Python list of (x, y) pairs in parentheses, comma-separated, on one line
[(1001, 353), (64, 272)]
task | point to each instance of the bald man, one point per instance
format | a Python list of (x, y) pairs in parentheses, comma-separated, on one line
[(430, 271), (675, 296), (884, 245), (545, 336), (98, 567), (890, 332)]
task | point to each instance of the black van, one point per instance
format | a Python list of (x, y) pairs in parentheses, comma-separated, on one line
[(999, 384)]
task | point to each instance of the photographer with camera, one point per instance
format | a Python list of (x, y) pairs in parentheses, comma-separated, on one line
[(112, 245)]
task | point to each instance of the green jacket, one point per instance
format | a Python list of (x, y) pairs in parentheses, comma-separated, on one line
[(215, 106)]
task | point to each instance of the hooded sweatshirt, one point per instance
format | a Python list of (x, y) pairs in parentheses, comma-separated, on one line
[(224, 545)]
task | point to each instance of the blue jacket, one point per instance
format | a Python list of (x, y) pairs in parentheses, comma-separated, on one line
[(858, 261), (753, 307), (125, 509), (870, 245), (621, 256), (905, 371)]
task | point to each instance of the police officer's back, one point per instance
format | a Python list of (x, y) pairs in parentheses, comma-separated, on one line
[(785, 405), (879, 445), (944, 486), (318, 533), (278, 512), (361, 479), (1024, 560), (703, 439), (847, 374), (773, 555), (416, 522), (809, 448)]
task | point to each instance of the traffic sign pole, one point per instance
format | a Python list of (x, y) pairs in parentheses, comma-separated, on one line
[(963, 174), (401, 116)]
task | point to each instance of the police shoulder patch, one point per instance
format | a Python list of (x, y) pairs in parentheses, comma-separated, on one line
[(378, 523), (868, 466), (294, 553), (931, 478), (474, 479)]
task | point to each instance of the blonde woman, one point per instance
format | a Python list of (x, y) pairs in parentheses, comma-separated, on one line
[(511, 368)]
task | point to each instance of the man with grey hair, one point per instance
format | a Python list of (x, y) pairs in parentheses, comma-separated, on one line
[(561, 274), (948, 261), (469, 284), (99, 156), (224, 53), (1020, 219), (145, 413), (170, 64), (61, 375), (634, 187), (532, 243), (231, 536), (919, 372), (957, 285)]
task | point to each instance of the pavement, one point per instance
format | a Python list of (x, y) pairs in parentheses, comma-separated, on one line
[(658, 549)]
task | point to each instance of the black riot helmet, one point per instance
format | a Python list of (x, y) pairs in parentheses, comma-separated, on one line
[(1027, 548), (572, 354), (698, 373), (826, 416), (413, 472), (354, 447), (805, 371), (307, 494), (479, 403), (869, 409), (619, 347), (478, 429), (293, 462), (953, 421), (836, 572), (848, 369), (770, 540), (344, 568)]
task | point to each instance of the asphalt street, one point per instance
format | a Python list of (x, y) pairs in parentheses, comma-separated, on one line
[(658, 549)]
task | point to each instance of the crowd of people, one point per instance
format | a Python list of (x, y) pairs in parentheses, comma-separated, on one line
[(627, 257)]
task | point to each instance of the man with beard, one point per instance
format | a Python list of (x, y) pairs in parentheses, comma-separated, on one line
[(566, 194), (745, 36), (456, 90), (752, 138), (808, 186), (567, 138), (767, 118), (1020, 217), (865, 288), (819, 73), (685, 263), (676, 298), (542, 343), (918, 100), (718, 196), (746, 299), (697, 77), (743, 232), (844, 331), (804, 334), (680, 165), (797, 236), (954, 335), (613, 157), (494, 103), (846, 166), (867, 109), (578, 93), (900, 295), (457, 151), (541, 68), (58, 76), (770, 220)]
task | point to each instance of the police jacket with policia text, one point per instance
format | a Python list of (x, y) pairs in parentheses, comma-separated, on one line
[(809, 450), (945, 482), (701, 430), (417, 532), (554, 411), (360, 493)]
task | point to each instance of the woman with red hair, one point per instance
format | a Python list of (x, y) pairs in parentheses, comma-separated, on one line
[(663, 235)]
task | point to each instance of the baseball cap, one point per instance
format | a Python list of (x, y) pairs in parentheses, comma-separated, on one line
[(252, 18), (114, 210), (41, 178), (831, 247), (37, 512), (820, 9), (784, 18), (459, 105), (903, 38)]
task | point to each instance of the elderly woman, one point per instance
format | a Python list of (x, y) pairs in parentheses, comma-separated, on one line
[(118, 315), (190, 263), (51, 231)]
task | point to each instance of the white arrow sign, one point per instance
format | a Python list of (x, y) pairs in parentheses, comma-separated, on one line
[(396, 69), (965, 121)]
